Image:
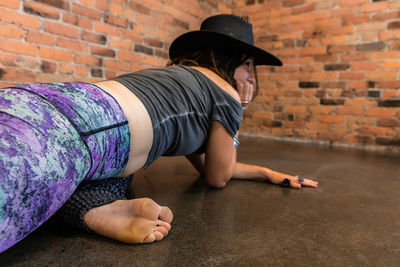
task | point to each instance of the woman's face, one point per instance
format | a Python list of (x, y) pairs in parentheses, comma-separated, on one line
[(245, 79), (245, 73)]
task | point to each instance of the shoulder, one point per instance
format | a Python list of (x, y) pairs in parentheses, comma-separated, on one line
[(221, 83)]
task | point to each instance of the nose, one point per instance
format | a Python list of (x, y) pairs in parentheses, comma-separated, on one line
[(252, 78)]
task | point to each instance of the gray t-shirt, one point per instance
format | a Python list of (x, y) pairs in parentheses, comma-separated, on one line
[(182, 103)]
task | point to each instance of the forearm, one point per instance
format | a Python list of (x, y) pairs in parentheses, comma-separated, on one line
[(251, 172)]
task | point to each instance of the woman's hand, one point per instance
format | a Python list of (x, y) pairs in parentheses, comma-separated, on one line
[(290, 181), (245, 91)]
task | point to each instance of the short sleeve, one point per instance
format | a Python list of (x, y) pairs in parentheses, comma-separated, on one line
[(230, 116)]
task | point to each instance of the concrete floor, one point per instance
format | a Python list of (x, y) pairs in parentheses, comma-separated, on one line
[(352, 219)]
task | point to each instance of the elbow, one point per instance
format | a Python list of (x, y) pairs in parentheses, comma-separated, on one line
[(219, 182)]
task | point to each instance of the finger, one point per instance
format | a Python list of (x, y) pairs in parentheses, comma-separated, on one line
[(287, 182), (306, 182), (240, 89), (294, 184), (249, 91)]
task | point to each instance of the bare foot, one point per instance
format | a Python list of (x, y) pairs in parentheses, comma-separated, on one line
[(131, 221)]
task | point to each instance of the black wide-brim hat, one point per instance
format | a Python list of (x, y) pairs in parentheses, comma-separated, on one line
[(222, 31)]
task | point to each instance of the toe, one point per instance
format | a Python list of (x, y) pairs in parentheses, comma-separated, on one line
[(150, 238), (166, 214), (158, 236)]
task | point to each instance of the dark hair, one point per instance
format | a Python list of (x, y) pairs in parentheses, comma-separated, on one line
[(222, 61)]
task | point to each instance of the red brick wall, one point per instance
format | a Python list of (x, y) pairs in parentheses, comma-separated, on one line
[(340, 81), (89, 40)]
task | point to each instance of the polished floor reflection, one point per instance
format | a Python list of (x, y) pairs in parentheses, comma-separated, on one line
[(351, 219)]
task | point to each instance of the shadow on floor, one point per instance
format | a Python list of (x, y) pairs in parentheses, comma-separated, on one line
[(351, 219)]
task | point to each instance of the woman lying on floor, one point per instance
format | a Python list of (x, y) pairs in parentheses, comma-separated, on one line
[(54, 136)]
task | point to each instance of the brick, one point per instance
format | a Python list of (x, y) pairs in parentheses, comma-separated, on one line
[(388, 84), (353, 20), (389, 93), (6, 84), (314, 50), (70, 19), (335, 67), (374, 93), (18, 47), (13, 4), (346, 29), (391, 64), (376, 46), (389, 103), (102, 51), (153, 42), (107, 29), (340, 48), (380, 112), (10, 31), (373, 7), (356, 138), (304, 84), (304, 9), (394, 25), (87, 60), (81, 71), (10, 60), (120, 44), (41, 10), (344, 110), (332, 101), (17, 75), (25, 20), (102, 4), (48, 67), (383, 55), (331, 119), (93, 37), (365, 65), (388, 141), (329, 136), (140, 8), (113, 20), (72, 45), (295, 109), (382, 75), (352, 75), (94, 72), (130, 35), (40, 38), (85, 23), (129, 56), (65, 68), (352, 2), (63, 4), (86, 12), (388, 122), (385, 16), (385, 36), (321, 109), (144, 49), (376, 130), (316, 126), (116, 65), (359, 102), (61, 29), (55, 54)]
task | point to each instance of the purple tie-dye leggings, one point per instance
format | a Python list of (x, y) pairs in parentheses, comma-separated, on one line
[(52, 137)]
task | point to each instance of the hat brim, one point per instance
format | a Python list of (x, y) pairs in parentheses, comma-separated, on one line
[(196, 40)]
